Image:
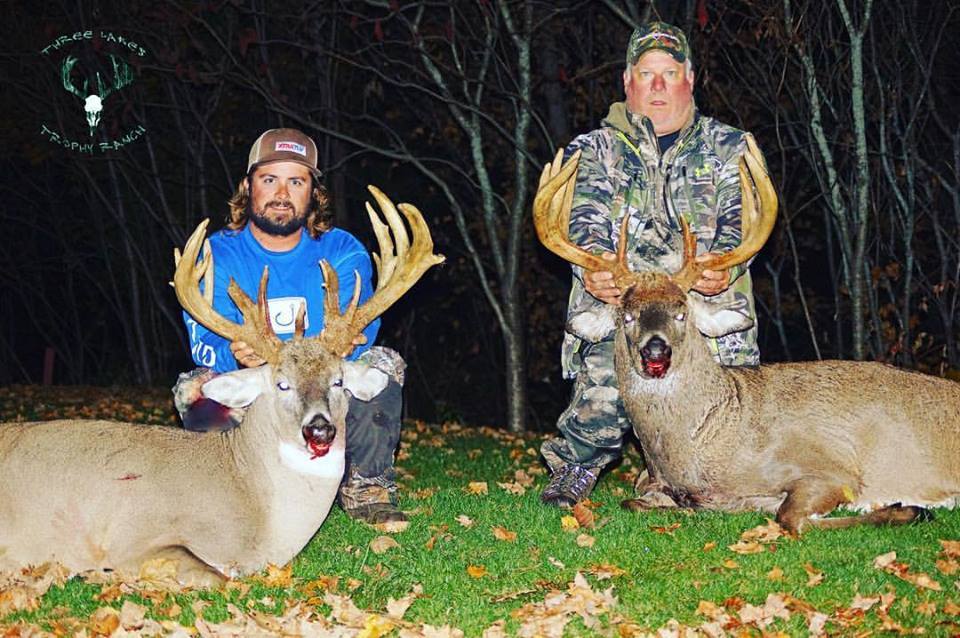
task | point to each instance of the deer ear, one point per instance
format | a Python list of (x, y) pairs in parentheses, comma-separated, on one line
[(720, 317), (364, 382), (239, 388)]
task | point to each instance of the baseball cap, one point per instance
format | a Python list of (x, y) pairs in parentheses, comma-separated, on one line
[(658, 35), (284, 145)]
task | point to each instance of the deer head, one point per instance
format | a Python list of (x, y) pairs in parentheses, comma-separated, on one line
[(657, 309), (93, 102), (308, 376)]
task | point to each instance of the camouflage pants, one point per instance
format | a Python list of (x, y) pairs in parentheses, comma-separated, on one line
[(373, 427), (594, 423)]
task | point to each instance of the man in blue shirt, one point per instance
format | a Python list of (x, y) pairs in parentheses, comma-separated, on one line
[(280, 218)]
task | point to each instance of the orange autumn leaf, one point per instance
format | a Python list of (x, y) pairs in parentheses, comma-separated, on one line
[(503, 534), (476, 571), (478, 488), (666, 529), (584, 515)]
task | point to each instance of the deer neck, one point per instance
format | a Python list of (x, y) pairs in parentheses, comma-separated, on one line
[(292, 493)]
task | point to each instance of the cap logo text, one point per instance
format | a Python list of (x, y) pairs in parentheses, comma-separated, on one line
[(292, 147)]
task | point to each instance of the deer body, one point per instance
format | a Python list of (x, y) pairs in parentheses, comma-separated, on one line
[(104, 494), (798, 439)]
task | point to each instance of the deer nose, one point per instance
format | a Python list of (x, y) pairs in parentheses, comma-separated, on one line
[(655, 349), (322, 433)]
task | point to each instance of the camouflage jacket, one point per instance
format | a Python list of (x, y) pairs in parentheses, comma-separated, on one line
[(623, 173)]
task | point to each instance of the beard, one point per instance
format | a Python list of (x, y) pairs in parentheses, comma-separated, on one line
[(273, 227)]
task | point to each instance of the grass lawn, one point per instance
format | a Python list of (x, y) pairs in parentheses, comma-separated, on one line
[(482, 555)]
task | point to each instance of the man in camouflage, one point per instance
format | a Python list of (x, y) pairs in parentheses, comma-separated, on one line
[(654, 159)]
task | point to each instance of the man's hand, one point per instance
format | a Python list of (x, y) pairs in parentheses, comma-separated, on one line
[(600, 284), (245, 355), (711, 282)]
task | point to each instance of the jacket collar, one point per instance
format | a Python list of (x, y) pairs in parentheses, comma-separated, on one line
[(636, 126)]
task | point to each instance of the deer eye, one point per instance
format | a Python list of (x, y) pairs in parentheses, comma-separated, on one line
[(338, 382), (680, 316), (627, 317), (283, 386)]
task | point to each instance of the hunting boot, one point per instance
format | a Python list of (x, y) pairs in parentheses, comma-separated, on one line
[(569, 484), (369, 489)]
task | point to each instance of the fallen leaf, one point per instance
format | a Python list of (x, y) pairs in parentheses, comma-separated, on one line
[(569, 523), (556, 563), (585, 540), (503, 534), (476, 571), (815, 576), (278, 576), (746, 547), (478, 488), (711, 610), (709, 546), (397, 608), (864, 602), (425, 492), (513, 488), (951, 608), (731, 564), (465, 521), (584, 515), (881, 561), (382, 544), (926, 608), (104, 621), (766, 533), (666, 529), (947, 566), (951, 548), (775, 574)]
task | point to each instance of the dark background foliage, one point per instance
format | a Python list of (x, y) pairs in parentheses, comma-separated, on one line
[(454, 106)]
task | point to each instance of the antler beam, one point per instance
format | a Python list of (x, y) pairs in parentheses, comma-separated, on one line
[(255, 330), (400, 265)]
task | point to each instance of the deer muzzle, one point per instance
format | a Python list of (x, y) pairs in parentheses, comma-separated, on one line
[(319, 435), (655, 354)]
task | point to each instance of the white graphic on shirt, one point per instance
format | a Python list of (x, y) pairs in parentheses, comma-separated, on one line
[(283, 314)]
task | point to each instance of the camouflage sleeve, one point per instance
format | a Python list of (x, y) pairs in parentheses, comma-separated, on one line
[(727, 235), (590, 225)]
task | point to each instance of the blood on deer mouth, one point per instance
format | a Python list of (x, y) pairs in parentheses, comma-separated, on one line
[(656, 357), (318, 438)]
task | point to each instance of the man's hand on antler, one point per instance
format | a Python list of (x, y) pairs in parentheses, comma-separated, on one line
[(711, 282), (245, 355), (600, 284)]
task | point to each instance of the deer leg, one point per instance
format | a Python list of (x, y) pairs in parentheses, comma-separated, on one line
[(653, 495), (806, 499)]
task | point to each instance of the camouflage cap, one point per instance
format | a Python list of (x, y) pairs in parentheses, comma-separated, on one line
[(658, 35)]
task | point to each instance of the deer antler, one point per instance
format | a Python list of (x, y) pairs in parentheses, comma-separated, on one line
[(756, 222), (122, 76), (551, 218), (65, 71), (399, 267), (255, 330)]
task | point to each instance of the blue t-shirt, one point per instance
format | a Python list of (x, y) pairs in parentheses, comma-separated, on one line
[(294, 277)]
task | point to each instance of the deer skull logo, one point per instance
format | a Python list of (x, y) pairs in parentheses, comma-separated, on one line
[(93, 101)]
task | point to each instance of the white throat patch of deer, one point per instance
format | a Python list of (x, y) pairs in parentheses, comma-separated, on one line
[(220, 504), (798, 439)]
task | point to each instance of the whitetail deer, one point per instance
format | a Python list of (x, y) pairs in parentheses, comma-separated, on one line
[(798, 439), (103, 494)]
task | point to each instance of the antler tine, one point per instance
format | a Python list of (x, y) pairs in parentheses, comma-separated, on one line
[(756, 222), (256, 330), (400, 265), (551, 218)]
